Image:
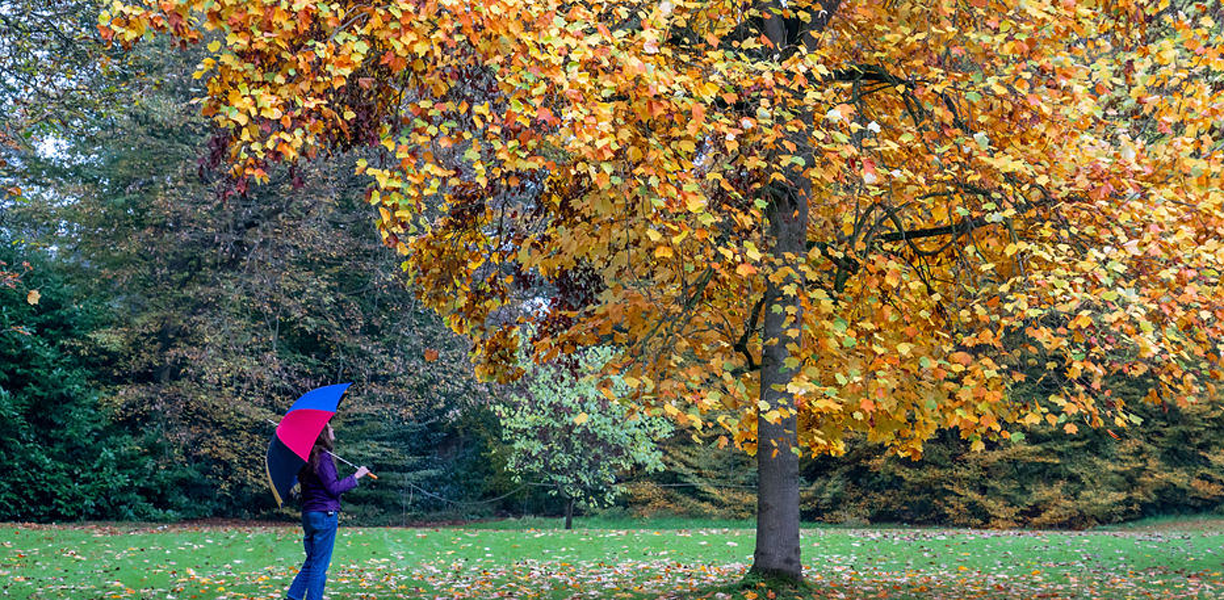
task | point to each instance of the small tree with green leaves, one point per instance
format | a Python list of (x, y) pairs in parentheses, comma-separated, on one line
[(560, 427)]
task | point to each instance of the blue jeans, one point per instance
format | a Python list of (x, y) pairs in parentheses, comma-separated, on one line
[(320, 530)]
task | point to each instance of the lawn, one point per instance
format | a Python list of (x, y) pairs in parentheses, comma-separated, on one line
[(233, 562)]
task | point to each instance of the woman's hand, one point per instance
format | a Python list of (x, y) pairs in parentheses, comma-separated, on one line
[(361, 472)]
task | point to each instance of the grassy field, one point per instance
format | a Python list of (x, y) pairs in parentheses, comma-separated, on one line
[(1177, 559)]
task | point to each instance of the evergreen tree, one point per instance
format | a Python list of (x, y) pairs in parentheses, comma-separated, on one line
[(63, 457)]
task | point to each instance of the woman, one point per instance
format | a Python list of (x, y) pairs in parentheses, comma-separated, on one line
[(321, 491)]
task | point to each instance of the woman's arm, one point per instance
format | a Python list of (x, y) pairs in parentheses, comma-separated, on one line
[(331, 483)]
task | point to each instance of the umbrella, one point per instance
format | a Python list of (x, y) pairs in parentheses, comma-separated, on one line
[(296, 435)]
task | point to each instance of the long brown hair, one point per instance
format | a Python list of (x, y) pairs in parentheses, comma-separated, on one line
[(322, 444)]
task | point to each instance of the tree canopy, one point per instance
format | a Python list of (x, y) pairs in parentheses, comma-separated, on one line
[(798, 219)]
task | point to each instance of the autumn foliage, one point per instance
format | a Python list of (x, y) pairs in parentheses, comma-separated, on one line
[(898, 208), (995, 182)]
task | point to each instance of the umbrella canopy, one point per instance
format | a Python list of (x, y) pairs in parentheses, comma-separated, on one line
[(296, 435)]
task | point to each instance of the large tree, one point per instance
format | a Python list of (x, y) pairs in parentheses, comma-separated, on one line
[(796, 219)]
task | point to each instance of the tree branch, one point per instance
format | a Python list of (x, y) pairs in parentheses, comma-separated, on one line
[(741, 345)]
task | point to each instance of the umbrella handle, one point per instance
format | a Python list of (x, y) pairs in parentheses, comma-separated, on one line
[(372, 476)]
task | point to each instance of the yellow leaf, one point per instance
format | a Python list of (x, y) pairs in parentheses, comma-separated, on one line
[(33, 297), (581, 418)]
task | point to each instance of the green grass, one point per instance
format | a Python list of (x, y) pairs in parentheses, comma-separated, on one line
[(614, 522), (650, 561)]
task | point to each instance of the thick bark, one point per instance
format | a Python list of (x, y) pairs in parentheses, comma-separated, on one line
[(777, 538), (569, 513)]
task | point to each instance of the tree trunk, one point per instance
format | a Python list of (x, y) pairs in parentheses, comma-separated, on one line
[(777, 536), (777, 553), (569, 513)]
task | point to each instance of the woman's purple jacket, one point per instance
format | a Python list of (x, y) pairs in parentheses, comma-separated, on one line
[(321, 489)]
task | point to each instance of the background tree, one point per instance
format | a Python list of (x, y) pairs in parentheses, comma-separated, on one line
[(559, 427), (56, 76), (1168, 465), (53, 69), (215, 307), (67, 458), (64, 457), (700, 479), (827, 218), (1043, 478)]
